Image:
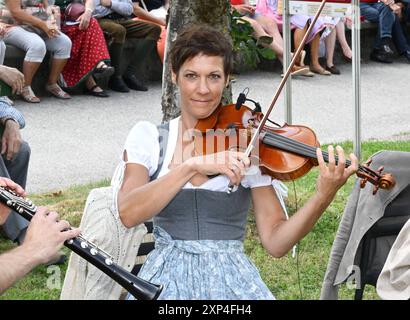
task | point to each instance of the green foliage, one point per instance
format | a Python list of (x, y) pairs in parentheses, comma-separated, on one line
[(248, 51)]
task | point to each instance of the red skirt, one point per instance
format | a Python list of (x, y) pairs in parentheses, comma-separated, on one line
[(88, 48)]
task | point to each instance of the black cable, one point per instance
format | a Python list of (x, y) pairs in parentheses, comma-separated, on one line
[(297, 245)]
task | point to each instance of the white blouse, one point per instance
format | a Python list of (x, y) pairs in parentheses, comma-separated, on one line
[(143, 148)]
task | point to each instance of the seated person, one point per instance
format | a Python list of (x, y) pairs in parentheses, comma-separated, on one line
[(145, 13), (15, 153), (157, 16), (45, 236), (35, 36), (199, 228), (266, 28), (382, 13), (115, 18), (268, 9), (399, 31), (89, 54)]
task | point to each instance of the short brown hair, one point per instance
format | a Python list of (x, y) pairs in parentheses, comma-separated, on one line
[(200, 39)]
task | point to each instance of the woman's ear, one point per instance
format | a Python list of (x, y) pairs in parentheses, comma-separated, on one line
[(174, 78)]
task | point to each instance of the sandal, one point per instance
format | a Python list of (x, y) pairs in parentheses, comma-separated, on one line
[(100, 94), (103, 71), (28, 95), (320, 70), (57, 92)]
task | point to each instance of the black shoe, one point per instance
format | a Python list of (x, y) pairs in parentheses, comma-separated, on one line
[(134, 83), (387, 50), (406, 54), (99, 94), (103, 72), (117, 84), (332, 69), (379, 56)]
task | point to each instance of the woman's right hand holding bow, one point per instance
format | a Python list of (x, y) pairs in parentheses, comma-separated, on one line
[(233, 164)]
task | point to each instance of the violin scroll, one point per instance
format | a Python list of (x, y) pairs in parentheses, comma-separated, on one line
[(379, 180)]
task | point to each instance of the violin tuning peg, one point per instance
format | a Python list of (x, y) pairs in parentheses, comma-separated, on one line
[(380, 170), (375, 188), (363, 183), (368, 162)]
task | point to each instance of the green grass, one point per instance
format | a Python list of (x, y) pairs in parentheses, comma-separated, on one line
[(281, 275)]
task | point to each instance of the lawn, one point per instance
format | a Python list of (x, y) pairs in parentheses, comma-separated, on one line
[(287, 277)]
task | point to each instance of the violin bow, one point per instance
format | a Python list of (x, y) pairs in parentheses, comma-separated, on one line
[(283, 81), (379, 180), (296, 55)]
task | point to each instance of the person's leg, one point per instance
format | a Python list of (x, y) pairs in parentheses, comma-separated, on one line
[(267, 27), (341, 37), (371, 13), (35, 49), (386, 22), (330, 42), (314, 57), (297, 39), (60, 47), (399, 39), (118, 33), (137, 29), (94, 89), (16, 170)]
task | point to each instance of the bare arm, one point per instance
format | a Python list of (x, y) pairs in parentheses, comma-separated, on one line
[(45, 236), (13, 77), (22, 16), (14, 265), (140, 200), (145, 15), (85, 18), (277, 234)]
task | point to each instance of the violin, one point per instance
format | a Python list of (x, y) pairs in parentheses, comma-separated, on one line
[(283, 152)]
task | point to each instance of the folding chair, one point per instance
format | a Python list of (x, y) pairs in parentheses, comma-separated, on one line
[(379, 239)]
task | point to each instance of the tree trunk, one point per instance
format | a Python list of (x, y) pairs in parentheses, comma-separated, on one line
[(181, 14)]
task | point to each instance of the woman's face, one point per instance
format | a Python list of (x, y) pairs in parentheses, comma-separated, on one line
[(201, 81)]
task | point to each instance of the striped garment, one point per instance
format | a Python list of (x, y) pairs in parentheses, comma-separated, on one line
[(8, 111)]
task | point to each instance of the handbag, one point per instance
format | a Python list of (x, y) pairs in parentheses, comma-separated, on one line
[(73, 11), (40, 13)]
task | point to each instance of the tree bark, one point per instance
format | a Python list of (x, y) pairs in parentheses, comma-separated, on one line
[(183, 13)]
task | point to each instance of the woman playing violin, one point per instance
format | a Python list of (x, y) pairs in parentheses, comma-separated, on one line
[(199, 228)]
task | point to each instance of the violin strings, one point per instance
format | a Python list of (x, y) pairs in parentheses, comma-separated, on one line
[(306, 150), (303, 149)]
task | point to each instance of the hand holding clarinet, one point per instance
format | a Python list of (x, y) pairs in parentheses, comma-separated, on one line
[(46, 234)]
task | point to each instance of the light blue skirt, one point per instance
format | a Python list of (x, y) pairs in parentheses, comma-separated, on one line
[(202, 269)]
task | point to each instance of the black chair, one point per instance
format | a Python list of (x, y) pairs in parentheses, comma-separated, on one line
[(379, 239)]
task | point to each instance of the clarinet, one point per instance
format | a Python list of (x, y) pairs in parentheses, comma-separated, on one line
[(139, 288)]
